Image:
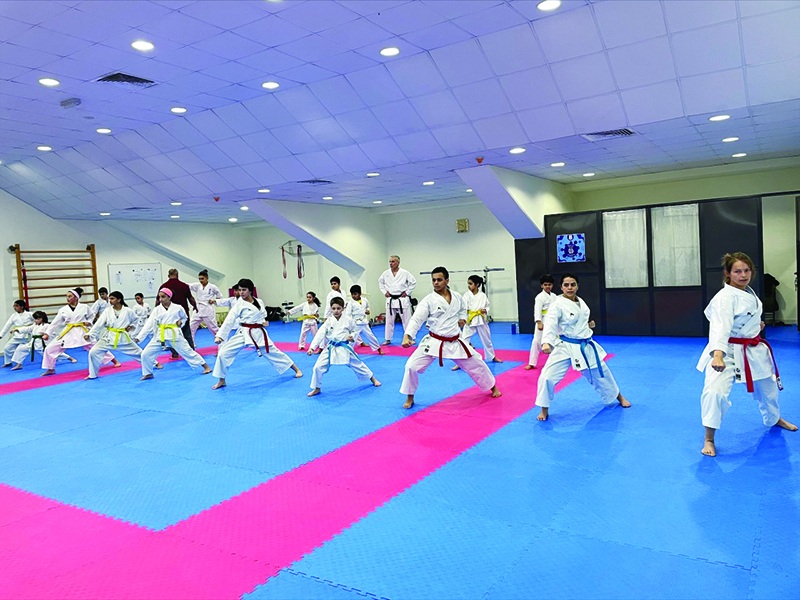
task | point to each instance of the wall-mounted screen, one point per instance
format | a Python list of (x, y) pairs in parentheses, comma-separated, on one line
[(571, 247)]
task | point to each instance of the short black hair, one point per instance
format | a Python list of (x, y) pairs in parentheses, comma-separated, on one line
[(335, 279), (337, 300), (565, 275), (138, 295), (441, 270), (546, 278), (355, 289), (102, 290)]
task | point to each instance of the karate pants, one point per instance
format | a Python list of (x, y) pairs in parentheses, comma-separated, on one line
[(308, 326), (554, 371), (23, 353), (364, 335), (420, 360), (54, 349), (180, 345), (229, 349), (96, 354), (484, 333), (11, 348), (210, 321), (536, 345), (405, 317), (322, 365), (715, 400)]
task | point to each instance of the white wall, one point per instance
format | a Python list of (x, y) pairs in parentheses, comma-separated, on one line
[(780, 258)]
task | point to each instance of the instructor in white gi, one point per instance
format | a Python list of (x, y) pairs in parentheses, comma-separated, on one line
[(397, 285)]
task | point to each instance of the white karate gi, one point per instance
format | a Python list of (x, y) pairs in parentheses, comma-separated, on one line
[(357, 310), (540, 306), (18, 338), (308, 314), (442, 319), (67, 331), (735, 313), (571, 319), (162, 325), (331, 295), (337, 332), (110, 331), (142, 312), (477, 323), (33, 340), (205, 311), (395, 285), (245, 313), (98, 307), (229, 301)]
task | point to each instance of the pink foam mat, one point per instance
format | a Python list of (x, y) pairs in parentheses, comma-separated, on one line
[(228, 549)]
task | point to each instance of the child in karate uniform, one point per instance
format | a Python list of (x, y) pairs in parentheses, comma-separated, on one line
[(100, 304), (477, 304), (309, 314), (540, 307), (34, 341), (112, 331), (205, 292), (339, 331), (19, 318), (358, 310), (336, 292), (142, 312)]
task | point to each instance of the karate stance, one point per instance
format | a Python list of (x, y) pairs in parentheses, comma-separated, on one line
[(205, 313), (397, 285), (142, 312), (736, 352), (358, 310), (336, 292), (248, 317), (540, 306), (165, 325), (567, 338), (308, 313), (20, 318), (34, 341), (112, 331), (477, 310), (100, 304), (339, 331), (444, 313)]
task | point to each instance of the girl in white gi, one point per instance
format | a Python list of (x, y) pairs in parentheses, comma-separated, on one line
[(249, 318), (358, 310), (142, 312), (339, 331), (34, 341), (567, 338), (477, 309), (396, 284), (70, 324), (309, 314), (100, 304), (204, 291), (20, 318), (735, 351), (540, 305), (445, 314), (112, 331), (164, 324)]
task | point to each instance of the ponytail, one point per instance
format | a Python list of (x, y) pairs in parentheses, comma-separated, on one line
[(478, 281), (119, 296)]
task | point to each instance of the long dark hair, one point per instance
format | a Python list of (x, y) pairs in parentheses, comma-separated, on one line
[(248, 285), (314, 298), (21, 304), (39, 314), (118, 296), (478, 281)]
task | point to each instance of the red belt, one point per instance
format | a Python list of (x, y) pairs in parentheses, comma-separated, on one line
[(449, 339), (250, 327), (746, 342)]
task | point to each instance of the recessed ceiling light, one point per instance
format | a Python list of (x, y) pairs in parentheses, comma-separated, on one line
[(516, 151), (174, 216), (428, 182), (176, 203), (548, 5), (105, 214), (739, 154), (390, 51), (719, 118), (49, 81), (730, 139), (327, 197), (469, 190), (373, 174), (588, 174), (44, 148), (270, 85), (104, 130), (244, 208), (178, 110), (233, 219), (377, 201), (263, 191), (142, 45), (558, 164)]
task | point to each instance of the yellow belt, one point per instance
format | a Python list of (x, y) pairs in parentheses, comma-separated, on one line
[(70, 327), (172, 327), (472, 314), (304, 317), (119, 332), (544, 312)]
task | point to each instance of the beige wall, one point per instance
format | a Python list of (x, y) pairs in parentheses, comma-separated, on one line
[(780, 257)]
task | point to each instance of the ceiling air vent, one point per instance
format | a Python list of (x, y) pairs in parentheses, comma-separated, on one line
[(316, 181), (125, 79), (607, 135)]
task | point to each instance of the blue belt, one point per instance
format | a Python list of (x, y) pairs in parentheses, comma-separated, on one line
[(339, 344), (583, 344)]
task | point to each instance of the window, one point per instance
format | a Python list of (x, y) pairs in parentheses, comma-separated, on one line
[(625, 248), (676, 245)]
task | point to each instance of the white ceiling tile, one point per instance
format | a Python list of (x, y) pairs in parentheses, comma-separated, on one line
[(215, 182), (375, 85), (306, 74), (160, 138), (74, 157), (346, 62), (328, 133), (439, 109), (490, 20), (210, 125), (239, 151), (749, 9), (652, 103), (291, 169), (437, 36), (83, 25), (512, 50), (362, 126), (337, 95), (771, 37), (143, 169), (8, 71), (272, 30), (182, 130), (458, 139), (44, 170), (370, 7), (712, 48), (132, 13), (222, 15), (482, 99), (105, 178), (269, 111), (384, 153), (200, 101), (462, 63), (68, 186), (501, 132), (263, 173), (166, 165), (568, 34), (643, 63), (420, 146), (356, 34), (317, 16), (597, 114), (192, 59), (30, 12), (52, 42), (212, 156), (115, 149), (229, 45), (94, 153), (235, 92), (296, 139), (774, 82), (192, 186), (233, 72), (58, 163), (399, 118), (270, 61), (530, 89), (416, 75), (170, 189), (622, 22), (688, 14), (10, 28), (584, 76), (188, 161), (546, 123), (714, 91), (320, 164), (26, 57), (302, 104), (181, 28), (351, 158), (311, 48), (123, 44), (89, 183), (238, 118), (238, 177), (452, 9), (406, 17)]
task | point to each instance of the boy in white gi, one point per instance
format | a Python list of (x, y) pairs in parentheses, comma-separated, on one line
[(142, 312), (100, 304), (20, 318), (397, 285), (358, 309), (204, 292), (336, 292), (567, 338), (308, 313), (540, 305), (112, 331), (339, 331), (735, 351), (445, 314)]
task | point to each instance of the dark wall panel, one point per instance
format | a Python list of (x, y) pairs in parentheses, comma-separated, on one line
[(627, 312), (531, 264), (730, 226), (587, 223), (679, 312)]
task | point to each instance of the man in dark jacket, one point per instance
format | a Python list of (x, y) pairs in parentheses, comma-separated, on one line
[(181, 295)]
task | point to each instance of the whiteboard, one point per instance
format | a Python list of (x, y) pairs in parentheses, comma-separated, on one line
[(131, 279)]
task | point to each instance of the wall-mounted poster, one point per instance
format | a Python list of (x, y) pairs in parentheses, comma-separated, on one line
[(571, 247)]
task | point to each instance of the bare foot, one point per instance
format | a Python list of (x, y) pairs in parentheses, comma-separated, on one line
[(386, 343), (528, 367), (380, 351), (7, 365), (298, 373), (16, 367), (456, 368), (496, 393), (544, 414), (622, 402), (409, 402), (48, 372), (144, 377), (116, 363), (220, 384), (363, 345), (314, 392), (375, 382), (206, 370), (301, 348), (73, 360), (709, 449), (89, 377), (497, 360), (159, 365), (781, 423)]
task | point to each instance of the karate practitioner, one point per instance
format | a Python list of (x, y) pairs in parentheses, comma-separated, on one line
[(736, 352), (34, 341), (142, 312), (358, 309), (445, 314), (477, 304), (165, 325), (567, 338), (70, 324), (229, 301), (20, 318), (336, 292), (339, 331), (540, 306), (308, 313), (112, 331), (249, 317), (100, 304), (205, 313), (397, 285)]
